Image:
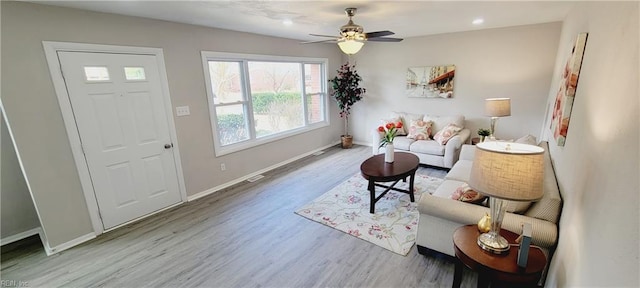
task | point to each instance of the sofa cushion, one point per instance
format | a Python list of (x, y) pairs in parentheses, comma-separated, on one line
[(402, 143), (419, 129), (427, 147), (446, 189), (461, 171), (443, 136), (439, 122)]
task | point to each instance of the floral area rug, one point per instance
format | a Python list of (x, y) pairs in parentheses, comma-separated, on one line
[(394, 224)]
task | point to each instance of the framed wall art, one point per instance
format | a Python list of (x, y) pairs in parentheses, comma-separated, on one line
[(561, 113), (430, 81)]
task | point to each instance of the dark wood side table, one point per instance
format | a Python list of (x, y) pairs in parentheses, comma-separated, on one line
[(497, 270), (375, 170)]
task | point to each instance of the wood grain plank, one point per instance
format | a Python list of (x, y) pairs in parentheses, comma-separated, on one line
[(244, 236)]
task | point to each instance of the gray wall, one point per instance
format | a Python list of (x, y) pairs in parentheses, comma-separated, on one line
[(17, 214), (597, 169), (33, 111), (515, 62)]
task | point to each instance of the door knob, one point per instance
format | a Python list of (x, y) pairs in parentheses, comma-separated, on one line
[(168, 146)]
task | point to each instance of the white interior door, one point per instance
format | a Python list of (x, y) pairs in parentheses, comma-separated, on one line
[(119, 111)]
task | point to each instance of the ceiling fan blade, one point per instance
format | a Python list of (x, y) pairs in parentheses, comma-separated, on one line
[(385, 39), (319, 41), (319, 35), (379, 34)]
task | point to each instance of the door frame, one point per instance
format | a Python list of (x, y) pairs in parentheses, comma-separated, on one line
[(51, 50)]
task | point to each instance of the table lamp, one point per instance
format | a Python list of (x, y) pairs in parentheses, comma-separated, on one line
[(496, 108), (505, 171)]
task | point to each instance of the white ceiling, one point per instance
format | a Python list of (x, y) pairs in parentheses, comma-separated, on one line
[(405, 18)]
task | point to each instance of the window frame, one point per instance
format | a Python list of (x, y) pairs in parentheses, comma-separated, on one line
[(253, 140)]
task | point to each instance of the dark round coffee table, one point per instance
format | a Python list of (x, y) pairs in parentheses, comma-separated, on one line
[(497, 270), (375, 170)]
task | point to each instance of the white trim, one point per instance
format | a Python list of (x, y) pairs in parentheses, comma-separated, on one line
[(244, 178), (66, 245), (254, 141), (262, 57), (43, 235), (20, 236), (51, 52), (172, 127)]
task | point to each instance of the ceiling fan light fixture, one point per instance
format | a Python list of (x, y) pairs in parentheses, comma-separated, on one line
[(350, 46)]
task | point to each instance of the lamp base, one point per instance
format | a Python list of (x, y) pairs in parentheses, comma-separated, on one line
[(493, 243)]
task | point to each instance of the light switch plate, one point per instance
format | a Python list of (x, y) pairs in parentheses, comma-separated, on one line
[(182, 111)]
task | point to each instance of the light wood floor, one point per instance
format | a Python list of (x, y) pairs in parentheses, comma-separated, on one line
[(244, 236)]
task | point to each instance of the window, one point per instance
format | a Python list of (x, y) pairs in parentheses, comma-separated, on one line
[(134, 73), (95, 74), (255, 99)]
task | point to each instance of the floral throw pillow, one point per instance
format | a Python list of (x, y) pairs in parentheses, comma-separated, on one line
[(464, 193), (443, 136), (419, 129)]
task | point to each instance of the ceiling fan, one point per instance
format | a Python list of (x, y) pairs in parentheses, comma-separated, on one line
[(352, 36)]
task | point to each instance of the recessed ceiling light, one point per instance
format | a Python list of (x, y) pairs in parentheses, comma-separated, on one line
[(478, 21), (287, 22)]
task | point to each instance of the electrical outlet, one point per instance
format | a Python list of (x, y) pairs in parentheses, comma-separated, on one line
[(182, 111), (223, 167)]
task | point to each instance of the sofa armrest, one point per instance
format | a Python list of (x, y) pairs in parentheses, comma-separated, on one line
[(544, 233), (452, 148), (376, 136), (467, 152)]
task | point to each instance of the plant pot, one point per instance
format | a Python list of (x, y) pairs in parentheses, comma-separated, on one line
[(347, 141)]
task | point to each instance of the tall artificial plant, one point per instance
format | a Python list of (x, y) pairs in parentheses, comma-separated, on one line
[(346, 91)]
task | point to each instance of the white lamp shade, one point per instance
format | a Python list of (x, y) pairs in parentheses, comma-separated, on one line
[(350, 46), (497, 107), (510, 171)]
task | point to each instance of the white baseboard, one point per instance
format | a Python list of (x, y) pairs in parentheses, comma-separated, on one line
[(64, 246), (20, 236), (244, 178)]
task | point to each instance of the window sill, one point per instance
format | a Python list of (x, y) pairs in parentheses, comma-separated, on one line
[(248, 144)]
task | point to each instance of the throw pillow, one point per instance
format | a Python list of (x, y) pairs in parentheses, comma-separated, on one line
[(399, 131), (439, 122), (443, 136), (419, 130), (464, 193), (406, 118), (528, 139)]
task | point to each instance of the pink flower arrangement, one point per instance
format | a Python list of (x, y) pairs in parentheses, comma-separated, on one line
[(389, 132)]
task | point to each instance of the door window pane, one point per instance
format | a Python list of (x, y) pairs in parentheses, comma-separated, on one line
[(226, 82), (276, 96), (134, 73), (93, 73), (232, 124)]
